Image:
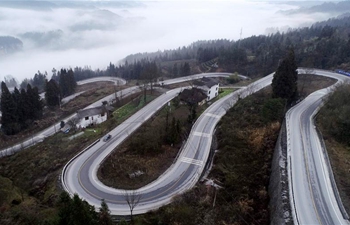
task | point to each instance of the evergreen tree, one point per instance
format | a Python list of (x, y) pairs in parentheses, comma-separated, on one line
[(23, 113), (75, 211), (20, 113), (39, 80), (55, 75), (186, 69), (65, 209), (24, 83), (52, 95), (71, 81), (175, 70), (67, 83), (29, 107), (104, 214), (8, 108), (36, 102), (284, 83), (63, 83)]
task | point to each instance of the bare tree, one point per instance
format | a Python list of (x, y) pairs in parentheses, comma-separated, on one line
[(133, 199), (73, 123)]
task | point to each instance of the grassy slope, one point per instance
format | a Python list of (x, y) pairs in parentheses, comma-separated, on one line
[(333, 121), (93, 93), (241, 167), (246, 136), (33, 175), (126, 159)]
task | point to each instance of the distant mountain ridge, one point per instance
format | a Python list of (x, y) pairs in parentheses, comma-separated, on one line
[(9, 44), (326, 7), (49, 5)]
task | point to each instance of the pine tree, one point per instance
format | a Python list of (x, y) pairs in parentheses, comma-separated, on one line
[(75, 211), (67, 83), (52, 95), (186, 69), (30, 112), (39, 80), (175, 70), (71, 82), (104, 214), (65, 209), (37, 103), (63, 85), (284, 83), (8, 108), (20, 113), (23, 113)]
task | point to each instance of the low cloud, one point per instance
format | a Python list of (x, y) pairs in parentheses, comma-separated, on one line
[(68, 36)]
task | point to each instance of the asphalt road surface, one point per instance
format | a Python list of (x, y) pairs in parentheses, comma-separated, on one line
[(313, 199), (80, 175)]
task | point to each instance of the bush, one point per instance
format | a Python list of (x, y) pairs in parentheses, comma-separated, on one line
[(334, 116)]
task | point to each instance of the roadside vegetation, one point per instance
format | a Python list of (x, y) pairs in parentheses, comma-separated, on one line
[(334, 123), (29, 184), (246, 138), (151, 150), (93, 92), (29, 180)]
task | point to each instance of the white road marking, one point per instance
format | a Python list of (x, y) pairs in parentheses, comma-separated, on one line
[(200, 134), (192, 161), (213, 115)]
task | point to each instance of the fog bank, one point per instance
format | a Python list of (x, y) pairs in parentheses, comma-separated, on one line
[(94, 36)]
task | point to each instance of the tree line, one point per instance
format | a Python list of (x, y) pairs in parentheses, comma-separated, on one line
[(19, 108), (75, 211), (324, 45)]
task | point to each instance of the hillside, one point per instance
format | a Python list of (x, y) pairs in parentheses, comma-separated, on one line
[(29, 185), (324, 45), (9, 45)]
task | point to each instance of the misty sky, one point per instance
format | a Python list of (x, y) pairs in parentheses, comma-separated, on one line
[(94, 36)]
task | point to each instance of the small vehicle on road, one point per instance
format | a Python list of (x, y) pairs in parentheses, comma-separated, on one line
[(107, 137)]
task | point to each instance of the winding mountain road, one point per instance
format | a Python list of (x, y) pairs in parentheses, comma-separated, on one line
[(40, 136), (80, 175), (313, 198)]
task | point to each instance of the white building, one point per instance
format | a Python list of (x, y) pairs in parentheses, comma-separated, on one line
[(91, 116), (209, 86), (87, 117)]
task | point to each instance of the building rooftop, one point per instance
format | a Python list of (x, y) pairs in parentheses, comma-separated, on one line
[(91, 111), (192, 96), (206, 82)]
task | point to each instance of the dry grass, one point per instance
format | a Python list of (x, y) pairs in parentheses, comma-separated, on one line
[(339, 155), (94, 92), (308, 83), (123, 161)]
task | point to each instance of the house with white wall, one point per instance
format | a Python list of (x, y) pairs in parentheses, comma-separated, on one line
[(91, 116), (209, 86), (88, 117)]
